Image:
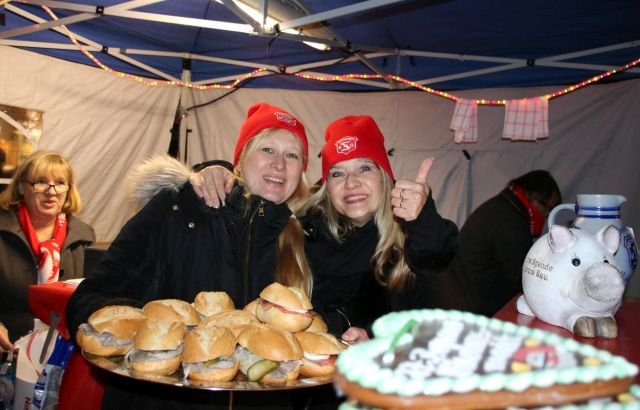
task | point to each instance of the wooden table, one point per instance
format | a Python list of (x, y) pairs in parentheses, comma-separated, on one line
[(627, 344)]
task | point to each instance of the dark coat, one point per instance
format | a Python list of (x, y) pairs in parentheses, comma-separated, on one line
[(494, 242), (345, 290), (175, 247), (18, 267)]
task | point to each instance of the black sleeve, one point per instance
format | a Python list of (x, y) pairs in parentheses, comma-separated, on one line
[(432, 241), (126, 272), (219, 162)]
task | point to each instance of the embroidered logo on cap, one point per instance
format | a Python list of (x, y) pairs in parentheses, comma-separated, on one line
[(347, 144), (285, 117)]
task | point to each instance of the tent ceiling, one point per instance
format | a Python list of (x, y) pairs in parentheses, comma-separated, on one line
[(446, 45)]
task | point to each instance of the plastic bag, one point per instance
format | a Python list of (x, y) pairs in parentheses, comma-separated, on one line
[(46, 393), (7, 378), (29, 367)]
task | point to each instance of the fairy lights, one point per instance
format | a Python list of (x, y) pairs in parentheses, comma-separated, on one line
[(329, 78)]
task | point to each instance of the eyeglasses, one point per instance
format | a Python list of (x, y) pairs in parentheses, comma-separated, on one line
[(45, 186)]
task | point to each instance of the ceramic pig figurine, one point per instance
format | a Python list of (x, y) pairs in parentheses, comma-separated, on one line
[(570, 279)]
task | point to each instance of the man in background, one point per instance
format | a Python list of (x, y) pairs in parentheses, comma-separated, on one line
[(496, 238)]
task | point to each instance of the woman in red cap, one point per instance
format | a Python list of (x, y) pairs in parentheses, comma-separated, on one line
[(175, 246), (373, 245)]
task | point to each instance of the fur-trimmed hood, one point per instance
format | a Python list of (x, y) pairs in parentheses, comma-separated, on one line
[(155, 174)]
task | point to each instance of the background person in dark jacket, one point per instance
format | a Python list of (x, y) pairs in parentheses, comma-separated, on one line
[(37, 217), (496, 237), (176, 246)]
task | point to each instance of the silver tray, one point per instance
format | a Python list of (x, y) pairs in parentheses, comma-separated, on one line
[(115, 365)]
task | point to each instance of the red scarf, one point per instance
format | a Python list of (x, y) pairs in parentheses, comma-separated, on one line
[(536, 218), (47, 252)]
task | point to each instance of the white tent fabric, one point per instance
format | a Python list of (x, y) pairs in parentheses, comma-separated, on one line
[(103, 124), (106, 125)]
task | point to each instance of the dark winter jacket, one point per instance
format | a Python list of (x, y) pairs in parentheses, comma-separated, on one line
[(345, 290), (18, 267), (494, 242), (175, 247)]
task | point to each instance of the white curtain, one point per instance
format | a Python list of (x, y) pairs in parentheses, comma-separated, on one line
[(105, 125)]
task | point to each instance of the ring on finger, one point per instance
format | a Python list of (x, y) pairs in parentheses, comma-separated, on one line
[(401, 194), (400, 205)]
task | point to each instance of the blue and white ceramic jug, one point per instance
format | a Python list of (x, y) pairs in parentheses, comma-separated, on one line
[(595, 211)]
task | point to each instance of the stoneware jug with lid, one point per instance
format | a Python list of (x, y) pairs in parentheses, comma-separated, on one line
[(593, 211)]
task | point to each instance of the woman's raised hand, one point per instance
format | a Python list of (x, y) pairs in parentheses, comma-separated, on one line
[(212, 184), (408, 197)]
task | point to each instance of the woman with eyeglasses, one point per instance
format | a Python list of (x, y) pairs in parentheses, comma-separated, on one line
[(40, 238)]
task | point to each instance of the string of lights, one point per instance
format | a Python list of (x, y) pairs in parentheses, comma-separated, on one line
[(331, 78)]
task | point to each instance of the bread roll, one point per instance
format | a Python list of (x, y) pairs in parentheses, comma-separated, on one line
[(210, 303), (234, 320), (284, 307), (172, 310)]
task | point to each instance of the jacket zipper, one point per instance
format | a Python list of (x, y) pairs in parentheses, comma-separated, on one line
[(260, 213)]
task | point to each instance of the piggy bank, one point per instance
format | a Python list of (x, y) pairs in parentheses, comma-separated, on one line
[(570, 279)]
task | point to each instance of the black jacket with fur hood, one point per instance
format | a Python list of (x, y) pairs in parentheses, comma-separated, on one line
[(175, 247)]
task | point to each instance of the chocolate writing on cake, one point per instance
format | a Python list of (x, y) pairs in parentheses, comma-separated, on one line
[(452, 348)]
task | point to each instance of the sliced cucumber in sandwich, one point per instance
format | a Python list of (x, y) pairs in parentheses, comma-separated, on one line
[(257, 370)]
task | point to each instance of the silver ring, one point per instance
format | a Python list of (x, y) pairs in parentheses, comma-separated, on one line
[(401, 195)]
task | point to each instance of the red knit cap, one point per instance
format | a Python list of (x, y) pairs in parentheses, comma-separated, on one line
[(354, 137), (261, 116)]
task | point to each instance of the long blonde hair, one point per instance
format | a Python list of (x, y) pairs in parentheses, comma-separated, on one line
[(42, 163), (390, 247), (292, 267)]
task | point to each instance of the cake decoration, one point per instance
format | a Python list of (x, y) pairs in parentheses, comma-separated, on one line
[(422, 355)]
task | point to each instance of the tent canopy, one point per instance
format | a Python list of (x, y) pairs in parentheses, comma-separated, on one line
[(445, 45)]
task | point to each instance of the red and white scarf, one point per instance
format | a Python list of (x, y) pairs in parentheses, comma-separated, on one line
[(47, 252), (536, 218)]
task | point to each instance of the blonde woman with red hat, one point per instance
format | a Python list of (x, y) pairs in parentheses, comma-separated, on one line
[(175, 246), (373, 243)]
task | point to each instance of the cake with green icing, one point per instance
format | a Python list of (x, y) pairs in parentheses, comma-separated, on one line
[(434, 358)]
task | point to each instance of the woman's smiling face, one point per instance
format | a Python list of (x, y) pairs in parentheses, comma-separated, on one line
[(274, 166), (355, 189)]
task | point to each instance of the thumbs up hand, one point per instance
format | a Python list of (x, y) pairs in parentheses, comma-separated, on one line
[(408, 197)]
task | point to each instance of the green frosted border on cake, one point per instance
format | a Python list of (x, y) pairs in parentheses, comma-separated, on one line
[(357, 362), (593, 405)]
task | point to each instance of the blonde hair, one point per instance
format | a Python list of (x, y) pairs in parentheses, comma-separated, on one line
[(42, 164), (390, 247), (292, 267)]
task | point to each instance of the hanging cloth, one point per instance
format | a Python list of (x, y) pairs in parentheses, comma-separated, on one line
[(47, 252), (526, 119), (464, 122)]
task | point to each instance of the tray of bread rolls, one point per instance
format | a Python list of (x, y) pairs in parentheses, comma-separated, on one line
[(275, 342)]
